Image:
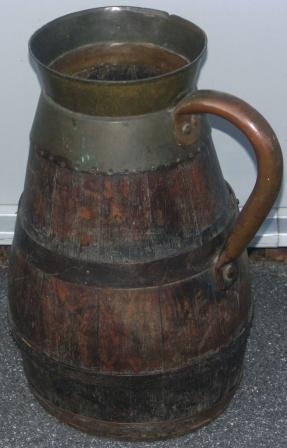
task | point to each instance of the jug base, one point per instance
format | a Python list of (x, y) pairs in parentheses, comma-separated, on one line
[(136, 432)]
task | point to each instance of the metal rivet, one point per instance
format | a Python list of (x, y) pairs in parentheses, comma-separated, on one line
[(229, 274), (186, 128)]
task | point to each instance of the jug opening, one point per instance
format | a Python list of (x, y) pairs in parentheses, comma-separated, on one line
[(119, 72), (118, 62)]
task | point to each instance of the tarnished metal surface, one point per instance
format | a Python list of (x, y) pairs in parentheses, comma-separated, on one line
[(120, 25), (112, 145), (118, 62)]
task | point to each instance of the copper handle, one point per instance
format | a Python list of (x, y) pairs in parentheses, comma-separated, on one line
[(269, 167)]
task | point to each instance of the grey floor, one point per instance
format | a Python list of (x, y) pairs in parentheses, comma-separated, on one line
[(256, 418)]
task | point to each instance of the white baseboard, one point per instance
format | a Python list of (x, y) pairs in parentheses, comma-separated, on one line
[(7, 223), (272, 233)]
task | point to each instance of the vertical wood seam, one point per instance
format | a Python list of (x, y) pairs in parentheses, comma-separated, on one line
[(161, 333)]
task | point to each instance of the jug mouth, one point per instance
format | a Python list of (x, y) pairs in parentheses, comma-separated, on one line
[(111, 27), (116, 61)]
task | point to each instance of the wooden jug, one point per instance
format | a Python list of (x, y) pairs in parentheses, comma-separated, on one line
[(128, 288)]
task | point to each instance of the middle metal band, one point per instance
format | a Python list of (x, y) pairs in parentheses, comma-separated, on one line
[(125, 275)]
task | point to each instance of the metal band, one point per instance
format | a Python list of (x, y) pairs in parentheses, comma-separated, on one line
[(171, 402), (126, 275), (113, 145), (132, 380)]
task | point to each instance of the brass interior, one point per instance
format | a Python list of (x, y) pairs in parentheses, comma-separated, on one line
[(118, 62)]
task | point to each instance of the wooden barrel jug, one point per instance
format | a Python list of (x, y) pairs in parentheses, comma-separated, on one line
[(128, 289)]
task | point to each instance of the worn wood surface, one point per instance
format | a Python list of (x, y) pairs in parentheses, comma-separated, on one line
[(126, 217), (113, 301)]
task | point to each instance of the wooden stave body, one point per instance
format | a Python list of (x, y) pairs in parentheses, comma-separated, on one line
[(174, 302)]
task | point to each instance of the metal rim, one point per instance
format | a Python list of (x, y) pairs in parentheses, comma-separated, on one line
[(160, 13)]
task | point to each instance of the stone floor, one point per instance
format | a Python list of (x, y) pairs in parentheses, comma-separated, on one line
[(256, 418)]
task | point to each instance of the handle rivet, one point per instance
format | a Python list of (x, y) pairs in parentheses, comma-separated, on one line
[(186, 128), (229, 274)]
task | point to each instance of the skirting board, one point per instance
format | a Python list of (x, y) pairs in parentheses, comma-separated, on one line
[(273, 232)]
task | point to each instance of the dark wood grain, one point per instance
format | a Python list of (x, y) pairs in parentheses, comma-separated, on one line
[(124, 218), (112, 297)]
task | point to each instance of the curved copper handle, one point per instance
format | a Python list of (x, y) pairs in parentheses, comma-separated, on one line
[(269, 166)]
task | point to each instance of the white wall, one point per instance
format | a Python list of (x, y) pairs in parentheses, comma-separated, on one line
[(246, 57)]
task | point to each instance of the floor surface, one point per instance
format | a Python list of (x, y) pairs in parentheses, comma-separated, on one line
[(256, 418)]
